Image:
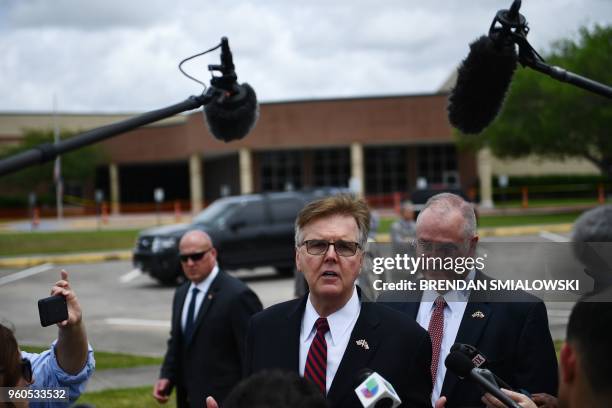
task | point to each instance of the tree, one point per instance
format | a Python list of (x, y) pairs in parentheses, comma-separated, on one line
[(556, 120), (78, 166)]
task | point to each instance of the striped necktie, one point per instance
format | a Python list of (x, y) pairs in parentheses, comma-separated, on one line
[(316, 362)]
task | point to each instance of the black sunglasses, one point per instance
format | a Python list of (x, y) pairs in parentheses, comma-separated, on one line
[(194, 257), (320, 246), (26, 370)]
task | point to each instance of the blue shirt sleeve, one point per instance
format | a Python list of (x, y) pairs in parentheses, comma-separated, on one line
[(48, 374)]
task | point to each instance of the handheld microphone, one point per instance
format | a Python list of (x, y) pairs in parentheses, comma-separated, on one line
[(462, 366), (374, 391), (478, 359), (485, 74), (233, 111)]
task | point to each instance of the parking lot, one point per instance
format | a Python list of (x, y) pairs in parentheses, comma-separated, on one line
[(124, 311)]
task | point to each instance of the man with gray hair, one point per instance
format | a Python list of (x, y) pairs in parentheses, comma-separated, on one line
[(514, 336), (591, 240)]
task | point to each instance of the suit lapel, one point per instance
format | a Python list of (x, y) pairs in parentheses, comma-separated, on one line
[(207, 302), (181, 294), (472, 325), (289, 338), (356, 356)]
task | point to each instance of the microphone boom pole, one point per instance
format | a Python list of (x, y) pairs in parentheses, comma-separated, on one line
[(231, 112), (49, 151)]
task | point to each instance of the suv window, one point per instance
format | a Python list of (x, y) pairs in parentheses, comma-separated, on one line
[(248, 212), (215, 211), (285, 209)]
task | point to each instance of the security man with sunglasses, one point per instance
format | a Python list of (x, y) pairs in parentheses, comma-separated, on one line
[(210, 314), (333, 332)]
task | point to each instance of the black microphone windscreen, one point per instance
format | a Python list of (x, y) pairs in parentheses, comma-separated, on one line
[(459, 364), (234, 117), (482, 81), (361, 376)]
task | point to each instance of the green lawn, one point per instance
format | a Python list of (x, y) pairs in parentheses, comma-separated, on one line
[(125, 398), (22, 243), (531, 219), (29, 243), (488, 221), (106, 360), (546, 202)]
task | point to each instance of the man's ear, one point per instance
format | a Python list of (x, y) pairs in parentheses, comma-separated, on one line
[(297, 258), (568, 363)]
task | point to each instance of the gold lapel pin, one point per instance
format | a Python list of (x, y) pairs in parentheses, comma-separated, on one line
[(478, 315), (363, 344)]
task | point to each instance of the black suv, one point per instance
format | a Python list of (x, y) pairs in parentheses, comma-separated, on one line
[(248, 231)]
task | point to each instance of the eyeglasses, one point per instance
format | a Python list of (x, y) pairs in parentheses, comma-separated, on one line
[(26, 370), (195, 257), (320, 246)]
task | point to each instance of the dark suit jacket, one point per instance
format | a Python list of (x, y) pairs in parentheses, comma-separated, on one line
[(211, 362), (513, 335), (399, 350)]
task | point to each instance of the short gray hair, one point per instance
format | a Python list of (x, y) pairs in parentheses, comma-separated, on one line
[(445, 202), (594, 225)]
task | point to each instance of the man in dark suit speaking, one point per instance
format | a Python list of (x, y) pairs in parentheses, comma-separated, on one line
[(513, 335), (210, 314), (332, 332)]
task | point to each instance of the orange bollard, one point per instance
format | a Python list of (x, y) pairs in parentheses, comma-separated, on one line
[(525, 197), (397, 202), (35, 217), (177, 211), (104, 213), (601, 194), (472, 194)]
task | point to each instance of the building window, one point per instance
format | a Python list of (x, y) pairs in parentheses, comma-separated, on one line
[(331, 167), (438, 164), (280, 170), (386, 170)]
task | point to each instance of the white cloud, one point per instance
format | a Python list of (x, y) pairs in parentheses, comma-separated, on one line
[(121, 56)]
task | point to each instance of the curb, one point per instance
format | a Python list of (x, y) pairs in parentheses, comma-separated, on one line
[(92, 257)]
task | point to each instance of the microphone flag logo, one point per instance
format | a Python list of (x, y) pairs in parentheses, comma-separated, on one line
[(371, 388)]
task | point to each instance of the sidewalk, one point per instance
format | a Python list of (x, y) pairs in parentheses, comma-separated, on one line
[(123, 378)]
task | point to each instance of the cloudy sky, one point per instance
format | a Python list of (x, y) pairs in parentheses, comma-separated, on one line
[(122, 55)]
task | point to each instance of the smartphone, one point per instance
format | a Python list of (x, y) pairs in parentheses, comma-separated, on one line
[(53, 309)]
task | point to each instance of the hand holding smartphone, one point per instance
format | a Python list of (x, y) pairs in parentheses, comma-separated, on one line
[(52, 309)]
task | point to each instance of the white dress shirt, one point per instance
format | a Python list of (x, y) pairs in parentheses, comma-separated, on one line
[(203, 287), (341, 324), (456, 302)]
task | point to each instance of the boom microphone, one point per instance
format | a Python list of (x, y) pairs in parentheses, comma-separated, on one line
[(459, 364), (478, 359), (485, 74), (234, 111)]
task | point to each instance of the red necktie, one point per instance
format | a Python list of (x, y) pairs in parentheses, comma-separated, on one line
[(316, 362), (436, 332)]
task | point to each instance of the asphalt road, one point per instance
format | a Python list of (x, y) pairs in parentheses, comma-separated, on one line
[(125, 311)]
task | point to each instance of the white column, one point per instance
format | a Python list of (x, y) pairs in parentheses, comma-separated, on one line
[(195, 183), (115, 199), (357, 169), (485, 175), (246, 171)]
